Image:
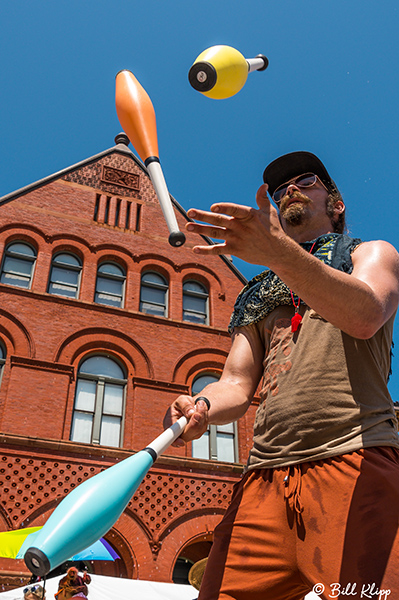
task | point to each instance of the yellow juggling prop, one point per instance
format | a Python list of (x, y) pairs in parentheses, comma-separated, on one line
[(221, 71)]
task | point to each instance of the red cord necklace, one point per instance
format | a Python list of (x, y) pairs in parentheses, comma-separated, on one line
[(297, 318)]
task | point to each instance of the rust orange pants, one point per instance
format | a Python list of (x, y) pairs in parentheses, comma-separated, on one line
[(330, 526)]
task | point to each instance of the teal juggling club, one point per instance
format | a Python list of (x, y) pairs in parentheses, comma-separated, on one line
[(92, 508)]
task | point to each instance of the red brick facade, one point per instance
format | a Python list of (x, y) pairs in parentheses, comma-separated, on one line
[(105, 209)]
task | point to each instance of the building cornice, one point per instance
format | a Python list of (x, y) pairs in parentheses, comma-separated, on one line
[(73, 449)]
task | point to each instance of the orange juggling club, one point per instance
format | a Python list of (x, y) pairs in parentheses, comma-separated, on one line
[(137, 116)]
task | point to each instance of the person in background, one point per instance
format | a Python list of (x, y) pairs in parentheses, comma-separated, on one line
[(72, 585), (34, 592)]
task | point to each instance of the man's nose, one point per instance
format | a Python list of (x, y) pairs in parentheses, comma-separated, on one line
[(291, 188)]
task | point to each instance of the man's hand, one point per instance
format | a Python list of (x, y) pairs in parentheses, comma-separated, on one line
[(196, 415), (249, 233)]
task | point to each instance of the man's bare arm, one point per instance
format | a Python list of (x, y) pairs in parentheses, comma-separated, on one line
[(358, 304), (230, 396)]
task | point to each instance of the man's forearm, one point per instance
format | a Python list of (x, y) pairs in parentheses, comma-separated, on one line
[(228, 402), (358, 304), (346, 301)]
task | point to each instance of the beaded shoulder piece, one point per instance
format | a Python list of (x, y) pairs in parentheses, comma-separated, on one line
[(266, 291)]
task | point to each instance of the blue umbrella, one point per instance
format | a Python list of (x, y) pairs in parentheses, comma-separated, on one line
[(13, 544)]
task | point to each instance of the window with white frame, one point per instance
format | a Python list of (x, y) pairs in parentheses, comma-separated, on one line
[(65, 275), (195, 302), (153, 294), (110, 284), (219, 442), (18, 265), (99, 402)]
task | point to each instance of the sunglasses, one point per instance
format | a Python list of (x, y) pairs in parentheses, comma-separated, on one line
[(31, 589), (303, 181)]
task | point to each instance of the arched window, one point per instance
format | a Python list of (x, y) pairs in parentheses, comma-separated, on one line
[(219, 442), (65, 275), (110, 284), (153, 294), (195, 302), (99, 402), (18, 265)]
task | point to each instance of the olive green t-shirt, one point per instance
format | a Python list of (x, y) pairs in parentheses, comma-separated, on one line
[(323, 392)]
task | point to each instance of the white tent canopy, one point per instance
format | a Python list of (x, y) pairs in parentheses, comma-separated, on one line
[(115, 588)]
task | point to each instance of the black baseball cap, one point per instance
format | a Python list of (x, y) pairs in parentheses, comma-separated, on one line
[(290, 165)]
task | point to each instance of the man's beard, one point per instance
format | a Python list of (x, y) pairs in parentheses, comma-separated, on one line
[(294, 213)]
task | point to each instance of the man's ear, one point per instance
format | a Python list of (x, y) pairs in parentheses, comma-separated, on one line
[(339, 209)]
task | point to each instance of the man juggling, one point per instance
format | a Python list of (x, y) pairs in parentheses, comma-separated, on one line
[(318, 505)]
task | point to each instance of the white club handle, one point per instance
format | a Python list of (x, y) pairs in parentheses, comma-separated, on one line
[(259, 63), (163, 441), (154, 168)]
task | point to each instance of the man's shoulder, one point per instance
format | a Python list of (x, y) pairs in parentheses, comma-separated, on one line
[(378, 248), (381, 243)]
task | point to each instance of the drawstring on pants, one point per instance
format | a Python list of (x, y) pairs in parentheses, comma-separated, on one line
[(292, 490)]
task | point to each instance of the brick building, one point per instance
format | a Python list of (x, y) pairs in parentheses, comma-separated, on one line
[(102, 324)]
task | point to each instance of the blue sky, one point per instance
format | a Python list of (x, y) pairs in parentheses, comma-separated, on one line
[(331, 88)]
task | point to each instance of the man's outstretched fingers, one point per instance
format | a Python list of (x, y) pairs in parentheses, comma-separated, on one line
[(214, 249), (230, 209)]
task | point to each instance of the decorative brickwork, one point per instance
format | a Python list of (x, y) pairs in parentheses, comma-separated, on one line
[(120, 178), (28, 483), (162, 498), (131, 181)]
